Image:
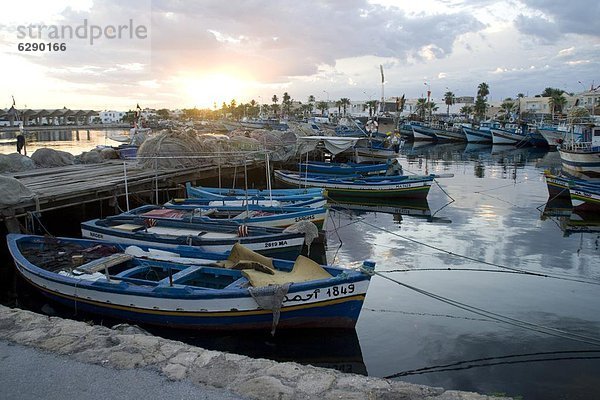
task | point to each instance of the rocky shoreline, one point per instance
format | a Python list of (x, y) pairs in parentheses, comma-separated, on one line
[(129, 348)]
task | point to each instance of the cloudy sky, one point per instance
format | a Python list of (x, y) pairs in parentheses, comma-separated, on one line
[(196, 53)]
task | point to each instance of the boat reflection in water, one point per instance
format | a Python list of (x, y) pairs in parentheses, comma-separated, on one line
[(569, 220), (399, 208), (332, 348), (580, 222)]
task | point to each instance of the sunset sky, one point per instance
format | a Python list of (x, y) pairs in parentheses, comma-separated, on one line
[(196, 53)]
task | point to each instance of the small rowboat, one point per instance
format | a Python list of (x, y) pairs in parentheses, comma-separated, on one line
[(256, 215), (186, 288), (414, 186), (259, 192), (342, 168), (206, 236)]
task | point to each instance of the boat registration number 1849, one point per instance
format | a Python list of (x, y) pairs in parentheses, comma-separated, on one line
[(335, 291)]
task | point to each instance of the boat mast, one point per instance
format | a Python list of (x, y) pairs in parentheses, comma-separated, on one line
[(382, 107)]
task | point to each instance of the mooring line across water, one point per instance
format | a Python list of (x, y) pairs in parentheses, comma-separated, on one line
[(517, 270), (481, 362), (595, 341)]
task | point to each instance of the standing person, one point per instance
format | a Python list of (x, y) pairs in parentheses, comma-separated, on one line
[(395, 143), (21, 142)]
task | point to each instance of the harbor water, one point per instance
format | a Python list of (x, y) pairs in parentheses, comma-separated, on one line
[(452, 307)]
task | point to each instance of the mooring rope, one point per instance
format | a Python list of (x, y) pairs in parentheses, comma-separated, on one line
[(481, 362), (517, 270), (494, 316)]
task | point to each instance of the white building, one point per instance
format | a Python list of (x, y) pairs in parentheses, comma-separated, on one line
[(111, 116)]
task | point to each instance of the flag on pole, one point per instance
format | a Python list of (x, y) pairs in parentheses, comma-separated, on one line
[(13, 97)]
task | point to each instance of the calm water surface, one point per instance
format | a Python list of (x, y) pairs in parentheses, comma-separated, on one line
[(490, 210)]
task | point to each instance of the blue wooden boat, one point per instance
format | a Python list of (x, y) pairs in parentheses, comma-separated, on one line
[(259, 192), (348, 168), (373, 153), (585, 197), (256, 215), (559, 186), (482, 133), (395, 186), (185, 288), (313, 202), (207, 236), (213, 199)]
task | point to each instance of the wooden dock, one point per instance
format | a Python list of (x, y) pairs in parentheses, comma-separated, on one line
[(73, 185)]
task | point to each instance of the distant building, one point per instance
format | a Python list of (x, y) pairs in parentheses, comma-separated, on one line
[(111, 116)]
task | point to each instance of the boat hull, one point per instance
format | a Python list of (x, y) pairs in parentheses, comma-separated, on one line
[(585, 198), (421, 133), (586, 162), (324, 303), (477, 135), (408, 188), (285, 246), (501, 136)]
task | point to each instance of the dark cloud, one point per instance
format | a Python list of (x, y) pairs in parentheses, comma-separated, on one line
[(560, 17), (270, 41)]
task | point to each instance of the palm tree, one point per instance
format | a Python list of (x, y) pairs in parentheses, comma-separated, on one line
[(371, 104), (483, 90), (345, 103), (338, 104), (322, 105), (466, 110), (286, 103), (421, 107), (557, 101), (480, 107), (507, 105), (449, 99), (275, 106), (311, 99)]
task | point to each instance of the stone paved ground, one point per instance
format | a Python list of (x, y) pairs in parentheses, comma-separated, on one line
[(239, 375)]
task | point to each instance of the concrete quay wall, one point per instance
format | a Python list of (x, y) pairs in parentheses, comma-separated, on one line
[(128, 349)]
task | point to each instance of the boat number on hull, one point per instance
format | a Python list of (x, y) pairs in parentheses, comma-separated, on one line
[(334, 291), (305, 218), (276, 244), (96, 235)]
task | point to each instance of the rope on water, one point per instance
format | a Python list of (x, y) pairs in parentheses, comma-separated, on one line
[(495, 316), (517, 270), (481, 362)]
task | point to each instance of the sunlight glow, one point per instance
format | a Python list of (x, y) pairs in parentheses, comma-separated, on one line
[(214, 88)]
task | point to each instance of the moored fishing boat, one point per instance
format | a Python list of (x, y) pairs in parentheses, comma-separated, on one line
[(581, 153), (240, 201), (206, 236), (585, 197), (483, 134), (413, 186), (256, 215), (422, 132), (259, 192), (342, 168), (201, 196), (186, 288), (510, 134), (558, 185)]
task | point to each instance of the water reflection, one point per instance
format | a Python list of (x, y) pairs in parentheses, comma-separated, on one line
[(73, 141), (335, 349)]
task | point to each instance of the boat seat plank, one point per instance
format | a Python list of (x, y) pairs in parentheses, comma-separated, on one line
[(102, 263)]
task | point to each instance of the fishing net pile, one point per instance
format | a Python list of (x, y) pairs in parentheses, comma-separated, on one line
[(176, 149), (15, 162), (189, 148), (13, 192), (45, 158), (97, 155)]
